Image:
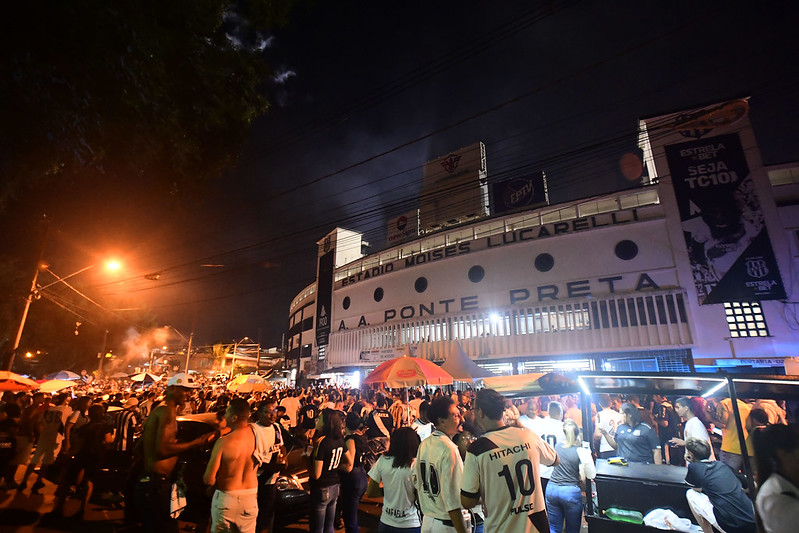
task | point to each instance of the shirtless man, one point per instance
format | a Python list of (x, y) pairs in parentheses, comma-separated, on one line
[(232, 469), (161, 449)]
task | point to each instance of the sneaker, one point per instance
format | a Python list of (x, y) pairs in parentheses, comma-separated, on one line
[(36, 487)]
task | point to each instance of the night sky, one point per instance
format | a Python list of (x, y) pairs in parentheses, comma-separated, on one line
[(365, 93)]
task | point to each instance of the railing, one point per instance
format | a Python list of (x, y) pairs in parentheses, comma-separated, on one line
[(620, 322)]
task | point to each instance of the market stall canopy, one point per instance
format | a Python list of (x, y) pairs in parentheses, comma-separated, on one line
[(63, 374), (11, 382), (644, 383), (460, 366), (276, 377), (247, 383), (145, 377), (408, 372), (524, 385), (55, 385), (665, 383)]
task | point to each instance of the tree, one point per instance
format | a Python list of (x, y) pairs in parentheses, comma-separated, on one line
[(158, 92)]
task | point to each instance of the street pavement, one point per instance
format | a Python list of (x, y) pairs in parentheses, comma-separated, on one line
[(23, 512)]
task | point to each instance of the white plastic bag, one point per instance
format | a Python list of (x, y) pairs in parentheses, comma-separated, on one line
[(178, 501), (666, 519)]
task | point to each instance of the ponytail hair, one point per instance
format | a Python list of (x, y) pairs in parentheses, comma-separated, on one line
[(572, 433)]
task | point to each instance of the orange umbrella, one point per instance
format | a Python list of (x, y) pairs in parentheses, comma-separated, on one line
[(12, 382), (409, 372)]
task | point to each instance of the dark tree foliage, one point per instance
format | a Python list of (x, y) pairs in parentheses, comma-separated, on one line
[(158, 92)]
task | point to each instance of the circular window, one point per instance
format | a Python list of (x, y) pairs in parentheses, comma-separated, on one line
[(378, 294), (420, 285), (476, 274), (346, 302), (544, 262), (626, 250)]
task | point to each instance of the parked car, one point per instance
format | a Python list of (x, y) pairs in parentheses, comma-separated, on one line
[(292, 490)]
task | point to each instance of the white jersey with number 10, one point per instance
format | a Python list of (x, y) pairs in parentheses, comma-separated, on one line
[(503, 466)]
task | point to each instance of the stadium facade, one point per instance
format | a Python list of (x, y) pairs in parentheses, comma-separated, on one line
[(694, 269)]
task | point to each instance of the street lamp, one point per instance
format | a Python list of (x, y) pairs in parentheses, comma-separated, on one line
[(188, 341), (34, 292), (233, 360)]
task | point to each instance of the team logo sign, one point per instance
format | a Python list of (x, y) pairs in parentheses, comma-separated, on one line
[(519, 193), (756, 267), (402, 222), (451, 162)]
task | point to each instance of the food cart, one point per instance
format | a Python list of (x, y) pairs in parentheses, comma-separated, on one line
[(643, 487)]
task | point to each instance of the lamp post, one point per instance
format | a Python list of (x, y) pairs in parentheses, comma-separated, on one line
[(188, 348), (233, 360), (36, 289)]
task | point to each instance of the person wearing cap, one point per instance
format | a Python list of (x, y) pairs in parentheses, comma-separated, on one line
[(160, 450)]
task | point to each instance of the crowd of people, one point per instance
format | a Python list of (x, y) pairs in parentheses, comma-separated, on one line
[(441, 461)]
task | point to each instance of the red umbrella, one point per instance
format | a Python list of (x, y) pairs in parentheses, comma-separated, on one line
[(10, 381), (409, 372)]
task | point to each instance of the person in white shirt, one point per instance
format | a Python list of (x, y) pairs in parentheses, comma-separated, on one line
[(394, 470), (776, 414), (503, 466), (693, 428), (422, 426), (607, 419), (273, 456), (777, 459), (292, 405), (550, 429), (438, 470)]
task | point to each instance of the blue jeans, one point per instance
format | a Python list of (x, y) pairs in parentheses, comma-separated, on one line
[(353, 487), (564, 502), (322, 513)]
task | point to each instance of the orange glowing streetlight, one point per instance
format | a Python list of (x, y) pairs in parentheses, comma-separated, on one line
[(35, 291)]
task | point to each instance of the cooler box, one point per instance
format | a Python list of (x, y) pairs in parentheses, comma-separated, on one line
[(638, 487)]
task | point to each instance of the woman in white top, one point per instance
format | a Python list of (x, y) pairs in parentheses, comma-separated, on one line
[(694, 428), (393, 470), (777, 459)]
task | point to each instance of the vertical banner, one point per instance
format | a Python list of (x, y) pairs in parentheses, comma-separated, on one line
[(324, 297), (725, 232)]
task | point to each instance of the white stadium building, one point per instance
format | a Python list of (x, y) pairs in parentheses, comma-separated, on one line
[(692, 270)]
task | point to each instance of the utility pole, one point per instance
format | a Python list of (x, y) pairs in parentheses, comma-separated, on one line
[(188, 352), (101, 355), (13, 353)]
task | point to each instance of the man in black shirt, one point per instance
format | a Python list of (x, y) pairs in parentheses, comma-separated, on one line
[(717, 498), (306, 419), (380, 423)]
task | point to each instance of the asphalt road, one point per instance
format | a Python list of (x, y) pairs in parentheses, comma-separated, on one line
[(23, 512)]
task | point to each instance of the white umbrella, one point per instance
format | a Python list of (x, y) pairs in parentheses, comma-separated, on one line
[(63, 374), (145, 377)]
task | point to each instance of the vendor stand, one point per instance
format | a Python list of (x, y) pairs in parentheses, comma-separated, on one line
[(644, 487)]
